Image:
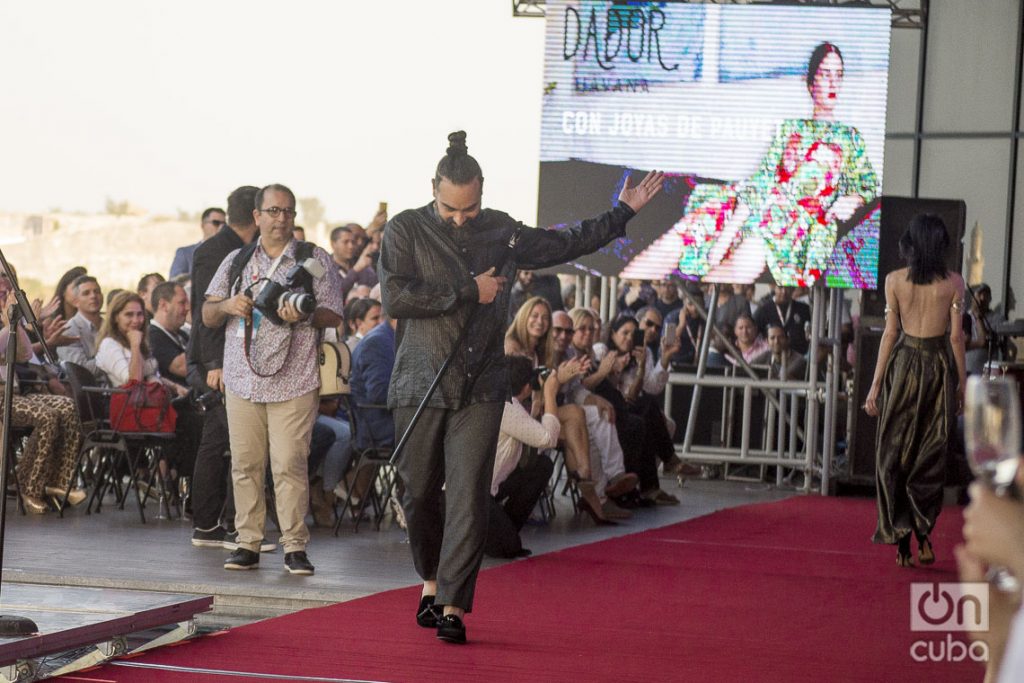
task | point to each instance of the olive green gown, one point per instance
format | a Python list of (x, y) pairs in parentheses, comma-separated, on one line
[(917, 418)]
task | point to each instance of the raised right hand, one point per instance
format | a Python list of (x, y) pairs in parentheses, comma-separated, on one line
[(239, 305), (488, 286), (134, 338)]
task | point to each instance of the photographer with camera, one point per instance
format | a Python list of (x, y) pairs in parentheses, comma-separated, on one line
[(516, 486), (273, 295)]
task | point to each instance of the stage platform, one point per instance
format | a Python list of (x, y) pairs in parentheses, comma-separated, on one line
[(81, 627)]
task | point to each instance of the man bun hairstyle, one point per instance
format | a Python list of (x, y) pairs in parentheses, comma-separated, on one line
[(456, 165)]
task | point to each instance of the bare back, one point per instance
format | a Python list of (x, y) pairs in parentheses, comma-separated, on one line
[(925, 310)]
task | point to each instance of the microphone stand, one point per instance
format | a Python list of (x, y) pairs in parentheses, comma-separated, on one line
[(12, 626)]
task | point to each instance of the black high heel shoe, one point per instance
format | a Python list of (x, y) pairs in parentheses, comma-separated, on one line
[(903, 558), (925, 552)]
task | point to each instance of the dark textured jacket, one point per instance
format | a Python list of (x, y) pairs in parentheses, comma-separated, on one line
[(426, 276), (206, 345)]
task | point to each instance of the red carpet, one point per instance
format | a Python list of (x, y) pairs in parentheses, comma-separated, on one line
[(789, 591)]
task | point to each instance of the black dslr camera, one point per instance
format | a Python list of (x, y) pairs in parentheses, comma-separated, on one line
[(539, 376), (274, 295)]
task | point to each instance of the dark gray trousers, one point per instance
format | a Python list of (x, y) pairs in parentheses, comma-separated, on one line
[(454, 449)]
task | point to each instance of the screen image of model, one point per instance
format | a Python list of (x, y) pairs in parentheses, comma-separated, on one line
[(769, 122)]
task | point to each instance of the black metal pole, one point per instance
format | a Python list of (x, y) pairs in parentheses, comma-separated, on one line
[(1011, 191), (400, 446), (922, 74), (10, 625)]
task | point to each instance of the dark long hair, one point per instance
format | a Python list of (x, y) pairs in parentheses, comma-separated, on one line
[(65, 281), (923, 245), (817, 57), (456, 165)]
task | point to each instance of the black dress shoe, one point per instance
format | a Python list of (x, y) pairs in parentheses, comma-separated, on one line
[(450, 629), (428, 613)]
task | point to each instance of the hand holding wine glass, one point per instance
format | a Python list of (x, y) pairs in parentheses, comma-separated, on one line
[(992, 431)]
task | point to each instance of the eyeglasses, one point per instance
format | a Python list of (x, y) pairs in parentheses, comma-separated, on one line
[(562, 330), (650, 323), (276, 211), (217, 224)]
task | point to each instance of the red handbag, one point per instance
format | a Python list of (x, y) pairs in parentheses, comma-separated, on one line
[(142, 407)]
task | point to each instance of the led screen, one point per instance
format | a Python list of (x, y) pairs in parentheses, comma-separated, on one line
[(768, 120)]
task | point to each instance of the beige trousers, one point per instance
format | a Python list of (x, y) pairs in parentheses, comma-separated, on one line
[(283, 429)]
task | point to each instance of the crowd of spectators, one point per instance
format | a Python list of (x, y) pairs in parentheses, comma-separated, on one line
[(588, 390)]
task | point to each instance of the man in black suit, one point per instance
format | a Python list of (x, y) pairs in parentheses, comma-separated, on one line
[(211, 488)]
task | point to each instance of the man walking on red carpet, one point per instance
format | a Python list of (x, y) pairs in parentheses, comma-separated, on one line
[(442, 267)]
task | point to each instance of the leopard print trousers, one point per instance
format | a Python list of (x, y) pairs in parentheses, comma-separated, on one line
[(49, 456)]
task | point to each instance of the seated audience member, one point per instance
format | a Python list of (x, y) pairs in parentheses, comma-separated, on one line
[(642, 444), (167, 339), (748, 341), (640, 381), (330, 454), (85, 324), (372, 363), (47, 463), (168, 342), (62, 304), (145, 290), (516, 487), (122, 354), (779, 308), (363, 315), (530, 335), (210, 222), (607, 462), (780, 357), (994, 537)]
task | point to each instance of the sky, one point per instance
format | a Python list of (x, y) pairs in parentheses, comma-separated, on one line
[(170, 106)]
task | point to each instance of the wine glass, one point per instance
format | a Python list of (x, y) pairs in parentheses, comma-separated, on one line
[(992, 432)]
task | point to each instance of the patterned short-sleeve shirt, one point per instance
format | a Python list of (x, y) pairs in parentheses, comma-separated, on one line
[(282, 363)]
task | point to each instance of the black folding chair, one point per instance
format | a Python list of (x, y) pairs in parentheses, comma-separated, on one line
[(119, 452), (382, 478)]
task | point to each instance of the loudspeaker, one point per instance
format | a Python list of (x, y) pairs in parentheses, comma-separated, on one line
[(866, 339), (896, 215)]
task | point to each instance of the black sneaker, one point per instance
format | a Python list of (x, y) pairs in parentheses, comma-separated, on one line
[(243, 559), (231, 542), (211, 538), (298, 563)]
